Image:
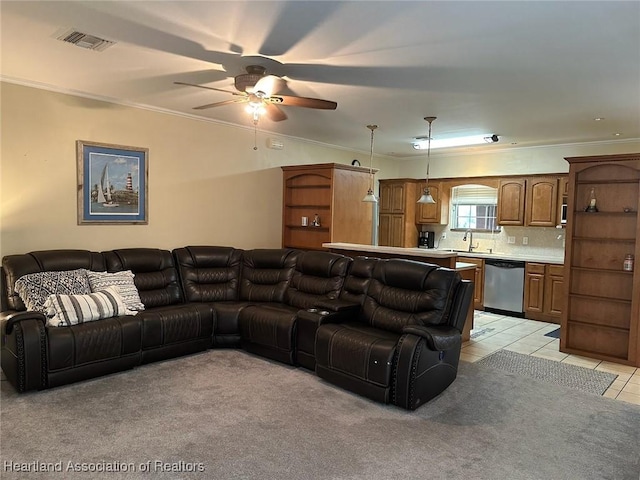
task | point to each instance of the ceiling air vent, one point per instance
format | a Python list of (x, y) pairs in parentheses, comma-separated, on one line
[(84, 40)]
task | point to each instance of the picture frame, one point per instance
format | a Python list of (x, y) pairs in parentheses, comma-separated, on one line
[(112, 184)]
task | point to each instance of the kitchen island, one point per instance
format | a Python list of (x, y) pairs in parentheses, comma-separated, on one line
[(436, 257)]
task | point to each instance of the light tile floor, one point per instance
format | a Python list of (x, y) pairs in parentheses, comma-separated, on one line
[(494, 332)]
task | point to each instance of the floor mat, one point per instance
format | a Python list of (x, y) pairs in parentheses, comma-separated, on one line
[(580, 378), (553, 334)]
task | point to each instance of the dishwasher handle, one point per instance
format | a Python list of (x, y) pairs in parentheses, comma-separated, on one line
[(504, 263)]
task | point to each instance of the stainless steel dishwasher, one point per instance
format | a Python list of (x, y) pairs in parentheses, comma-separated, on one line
[(504, 287)]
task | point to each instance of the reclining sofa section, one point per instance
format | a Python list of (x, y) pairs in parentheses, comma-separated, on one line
[(386, 329)]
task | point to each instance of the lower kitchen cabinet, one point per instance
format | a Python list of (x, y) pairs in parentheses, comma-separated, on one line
[(543, 291), (478, 292)]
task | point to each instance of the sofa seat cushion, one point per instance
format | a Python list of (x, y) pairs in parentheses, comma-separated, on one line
[(92, 342), (226, 323), (358, 351), (269, 330), (175, 324)]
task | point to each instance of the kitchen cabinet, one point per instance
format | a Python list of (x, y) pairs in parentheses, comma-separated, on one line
[(332, 191), (397, 220), (530, 202), (478, 287), (602, 314), (430, 213), (511, 198), (541, 203), (543, 291)]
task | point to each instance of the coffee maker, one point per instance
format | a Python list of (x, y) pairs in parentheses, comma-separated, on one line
[(426, 239)]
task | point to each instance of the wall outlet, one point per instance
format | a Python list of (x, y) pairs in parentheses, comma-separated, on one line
[(525, 240), (444, 236), (511, 239)]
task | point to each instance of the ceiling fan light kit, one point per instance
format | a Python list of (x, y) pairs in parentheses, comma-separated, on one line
[(370, 196), (426, 194), (259, 91)]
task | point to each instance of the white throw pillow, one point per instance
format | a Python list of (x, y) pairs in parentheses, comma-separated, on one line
[(67, 310), (35, 288), (123, 281)]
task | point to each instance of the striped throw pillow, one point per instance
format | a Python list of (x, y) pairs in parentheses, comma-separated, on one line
[(67, 310), (123, 281)]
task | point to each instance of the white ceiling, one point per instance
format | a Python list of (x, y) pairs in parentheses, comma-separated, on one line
[(535, 73)]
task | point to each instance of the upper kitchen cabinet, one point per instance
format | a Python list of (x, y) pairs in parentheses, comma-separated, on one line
[(541, 204), (397, 225), (433, 212), (529, 202), (334, 193), (511, 198), (602, 290)]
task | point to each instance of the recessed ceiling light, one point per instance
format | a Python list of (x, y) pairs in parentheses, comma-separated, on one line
[(598, 119), (617, 134)]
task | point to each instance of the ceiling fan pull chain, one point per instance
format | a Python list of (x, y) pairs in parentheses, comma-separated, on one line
[(255, 135)]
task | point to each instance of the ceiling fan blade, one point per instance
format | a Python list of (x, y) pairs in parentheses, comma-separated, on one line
[(274, 112), (207, 88), (219, 104), (268, 84), (292, 101)]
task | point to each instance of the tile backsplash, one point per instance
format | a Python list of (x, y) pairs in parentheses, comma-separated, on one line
[(541, 240)]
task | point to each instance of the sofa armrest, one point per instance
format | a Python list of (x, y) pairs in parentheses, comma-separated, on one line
[(9, 318), (338, 305), (438, 337)]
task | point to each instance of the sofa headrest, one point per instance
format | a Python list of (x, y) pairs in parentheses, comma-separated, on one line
[(208, 257), (266, 274), (15, 266), (209, 274), (363, 267), (155, 274), (323, 264), (138, 260), (406, 274), (270, 258)]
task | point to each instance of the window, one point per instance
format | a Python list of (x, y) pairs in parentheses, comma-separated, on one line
[(474, 206)]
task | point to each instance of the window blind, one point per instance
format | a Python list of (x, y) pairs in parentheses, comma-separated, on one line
[(474, 195)]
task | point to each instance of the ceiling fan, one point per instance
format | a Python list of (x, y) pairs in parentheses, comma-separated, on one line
[(259, 91)]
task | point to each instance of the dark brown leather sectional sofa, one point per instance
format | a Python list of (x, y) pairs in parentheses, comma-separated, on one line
[(386, 329)]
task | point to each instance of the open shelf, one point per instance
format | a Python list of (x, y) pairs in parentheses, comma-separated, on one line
[(601, 318)]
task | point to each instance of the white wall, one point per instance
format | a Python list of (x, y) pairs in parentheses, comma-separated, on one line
[(514, 161), (206, 183)]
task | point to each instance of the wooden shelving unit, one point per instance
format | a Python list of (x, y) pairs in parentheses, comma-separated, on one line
[(332, 191), (602, 301)]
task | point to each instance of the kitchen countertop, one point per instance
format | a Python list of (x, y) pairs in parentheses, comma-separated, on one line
[(443, 253)]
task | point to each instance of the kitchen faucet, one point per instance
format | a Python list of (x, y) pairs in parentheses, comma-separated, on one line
[(464, 239)]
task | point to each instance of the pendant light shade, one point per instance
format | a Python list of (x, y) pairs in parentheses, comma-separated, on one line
[(370, 197), (426, 194)]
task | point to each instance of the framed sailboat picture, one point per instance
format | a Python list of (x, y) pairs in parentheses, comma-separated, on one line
[(112, 184)]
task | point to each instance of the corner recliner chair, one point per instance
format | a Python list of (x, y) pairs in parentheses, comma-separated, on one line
[(211, 274), (403, 345), (269, 329)]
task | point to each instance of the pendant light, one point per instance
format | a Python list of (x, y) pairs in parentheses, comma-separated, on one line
[(370, 197), (426, 194)]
